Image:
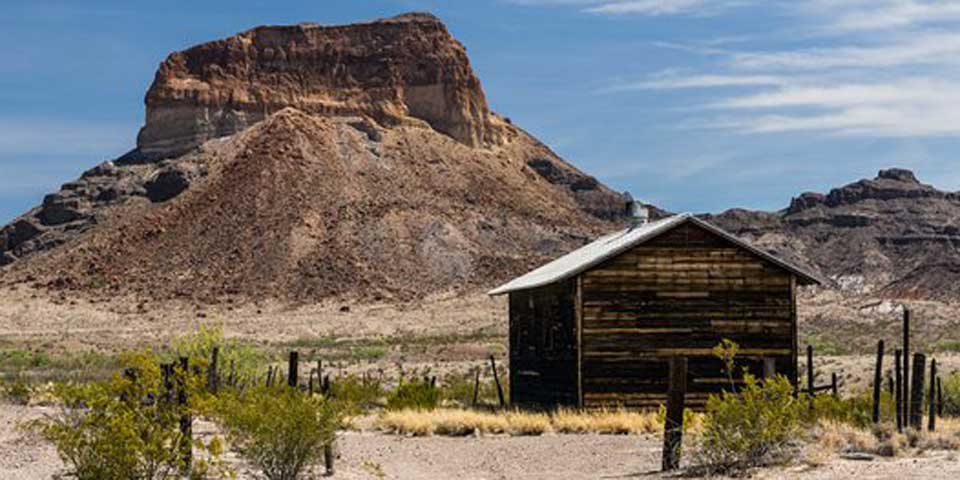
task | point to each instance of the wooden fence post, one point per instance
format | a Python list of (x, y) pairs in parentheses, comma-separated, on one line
[(673, 424), (496, 379), (834, 387), (810, 370), (476, 386), (212, 372), (293, 364), (916, 391), (877, 374), (898, 398), (931, 397), (939, 397), (906, 364), (186, 423), (328, 458)]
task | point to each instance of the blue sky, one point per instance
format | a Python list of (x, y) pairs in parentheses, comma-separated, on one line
[(697, 105)]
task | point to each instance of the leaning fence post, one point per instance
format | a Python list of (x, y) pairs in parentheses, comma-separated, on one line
[(906, 365), (877, 379), (496, 379), (898, 373), (292, 365), (673, 423), (916, 391), (186, 423), (931, 397)]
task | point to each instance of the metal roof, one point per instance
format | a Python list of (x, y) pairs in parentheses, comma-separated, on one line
[(614, 244)]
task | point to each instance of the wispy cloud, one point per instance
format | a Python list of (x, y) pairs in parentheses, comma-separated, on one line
[(643, 7), (853, 15)]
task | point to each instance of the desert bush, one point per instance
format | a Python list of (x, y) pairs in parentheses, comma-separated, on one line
[(17, 392), (279, 430), (856, 410), (759, 425), (951, 394), (457, 390), (356, 394), (122, 429), (416, 394), (198, 347)]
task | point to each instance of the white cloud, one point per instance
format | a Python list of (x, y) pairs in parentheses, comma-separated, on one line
[(929, 48), (649, 7), (855, 15), (698, 81), (642, 7)]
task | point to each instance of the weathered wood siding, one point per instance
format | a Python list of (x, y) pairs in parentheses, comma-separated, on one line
[(681, 294), (543, 346)]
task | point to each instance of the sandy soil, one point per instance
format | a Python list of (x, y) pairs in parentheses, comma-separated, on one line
[(30, 316), (368, 455)]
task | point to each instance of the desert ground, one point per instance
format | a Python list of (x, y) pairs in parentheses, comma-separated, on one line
[(374, 455), (51, 335)]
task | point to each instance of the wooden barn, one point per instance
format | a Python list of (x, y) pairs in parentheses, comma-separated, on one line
[(597, 326)]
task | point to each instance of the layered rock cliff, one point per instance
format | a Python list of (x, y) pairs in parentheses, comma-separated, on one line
[(394, 70), (305, 162), (891, 235)]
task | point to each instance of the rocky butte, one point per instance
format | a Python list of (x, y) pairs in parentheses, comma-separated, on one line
[(308, 161), (891, 235)]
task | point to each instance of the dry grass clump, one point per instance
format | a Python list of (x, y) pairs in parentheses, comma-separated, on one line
[(523, 423), (835, 436), (406, 422), (460, 422), (606, 421)]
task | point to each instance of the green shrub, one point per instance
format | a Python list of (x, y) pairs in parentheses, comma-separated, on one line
[(756, 426), (18, 392), (356, 394), (856, 411), (120, 429), (418, 394), (951, 394), (198, 347), (279, 430), (458, 389)]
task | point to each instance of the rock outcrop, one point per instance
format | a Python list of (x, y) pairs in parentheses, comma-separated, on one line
[(392, 71), (308, 162), (890, 235)]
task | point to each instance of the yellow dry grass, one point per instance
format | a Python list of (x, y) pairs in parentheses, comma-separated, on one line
[(606, 421), (459, 422)]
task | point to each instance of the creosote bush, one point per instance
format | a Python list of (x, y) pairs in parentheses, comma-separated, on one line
[(279, 430), (759, 425), (356, 394), (416, 394), (124, 429)]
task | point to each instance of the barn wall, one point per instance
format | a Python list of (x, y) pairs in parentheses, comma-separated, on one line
[(681, 294), (543, 347)]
